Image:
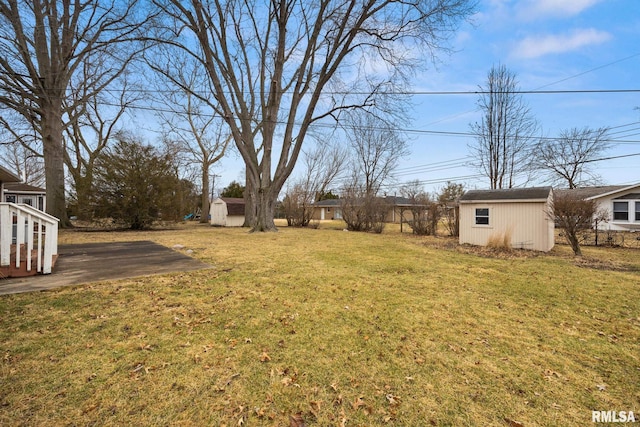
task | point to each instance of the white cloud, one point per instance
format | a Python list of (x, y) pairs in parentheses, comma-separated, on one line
[(560, 8), (534, 47)]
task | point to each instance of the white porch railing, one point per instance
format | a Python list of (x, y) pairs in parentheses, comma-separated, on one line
[(22, 224)]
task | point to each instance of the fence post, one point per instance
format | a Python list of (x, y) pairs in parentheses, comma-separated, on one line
[(6, 225)]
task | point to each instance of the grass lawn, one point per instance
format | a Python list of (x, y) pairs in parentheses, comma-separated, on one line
[(331, 328)]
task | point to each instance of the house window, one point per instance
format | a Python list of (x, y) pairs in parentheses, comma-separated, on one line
[(621, 211), (482, 216), (10, 198), (637, 211)]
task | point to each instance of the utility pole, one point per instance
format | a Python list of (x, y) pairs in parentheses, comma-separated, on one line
[(213, 183)]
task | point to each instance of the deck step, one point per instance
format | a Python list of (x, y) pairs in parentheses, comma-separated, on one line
[(21, 271)]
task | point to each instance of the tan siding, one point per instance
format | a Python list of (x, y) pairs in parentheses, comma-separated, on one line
[(525, 222)]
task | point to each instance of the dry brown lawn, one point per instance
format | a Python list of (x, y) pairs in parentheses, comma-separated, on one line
[(329, 328)]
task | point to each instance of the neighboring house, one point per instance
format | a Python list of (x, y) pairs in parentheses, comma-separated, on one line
[(227, 212), (518, 215), (398, 208), (327, 209), (6, 177), (15, 192), (620, 202)]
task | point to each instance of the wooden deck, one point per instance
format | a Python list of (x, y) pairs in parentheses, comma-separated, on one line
[(11, 270), (95, 262)]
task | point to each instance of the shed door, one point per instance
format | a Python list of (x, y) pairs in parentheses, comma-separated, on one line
[(219, 214)]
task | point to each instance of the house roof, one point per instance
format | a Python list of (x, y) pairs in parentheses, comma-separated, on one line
[(17, 187), (7, 176), (328, 203), (509, 194), (596, 192), (392, 200)]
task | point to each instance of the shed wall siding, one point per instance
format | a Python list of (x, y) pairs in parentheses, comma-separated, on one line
[(218, 212), (235, 221), (527, 223)]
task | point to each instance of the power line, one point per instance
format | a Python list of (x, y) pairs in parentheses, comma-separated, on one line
[(416, 93), (409, 131)]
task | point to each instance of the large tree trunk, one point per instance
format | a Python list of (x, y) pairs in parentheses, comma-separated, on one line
[(264, 211), (204, 216), (53, 150), (249, 213)]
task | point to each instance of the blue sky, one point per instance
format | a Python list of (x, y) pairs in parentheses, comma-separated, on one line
[(554, 45), (559, 45)]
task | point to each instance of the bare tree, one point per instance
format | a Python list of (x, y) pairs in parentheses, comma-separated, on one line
[(505, 132), (567, 159), (425, 213), (24, 162), (362, 211), (199, 133), (573, 214), (43, 45), (321, 168), (277, 67), (86, 137), (376, 150), (448, 199)]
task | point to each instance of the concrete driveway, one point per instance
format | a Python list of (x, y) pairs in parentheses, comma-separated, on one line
[(94, 262)]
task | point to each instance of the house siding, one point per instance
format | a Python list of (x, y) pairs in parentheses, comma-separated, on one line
[(525, 221), (605, 204)]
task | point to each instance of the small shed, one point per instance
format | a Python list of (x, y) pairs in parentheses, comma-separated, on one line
[(227, 212), (516, 216)]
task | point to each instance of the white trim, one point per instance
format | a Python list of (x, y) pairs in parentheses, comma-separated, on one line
[(503, 201), (610, 193), (27, 217)]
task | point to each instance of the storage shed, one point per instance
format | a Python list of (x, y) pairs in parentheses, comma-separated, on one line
[(227, 212), (517, 216)]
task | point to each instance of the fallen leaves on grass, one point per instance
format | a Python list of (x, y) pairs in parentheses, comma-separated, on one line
[(296, 420), (513, 423), (393, 400)]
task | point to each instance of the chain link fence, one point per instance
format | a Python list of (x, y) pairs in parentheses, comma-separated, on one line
[(625, 239)]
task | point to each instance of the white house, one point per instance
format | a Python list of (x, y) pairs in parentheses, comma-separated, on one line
[(620, 202), (227, 212), (16, 192), (519, 215), (6, 177)]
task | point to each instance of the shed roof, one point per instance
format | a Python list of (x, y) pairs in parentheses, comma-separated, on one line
[(235, 205), (509, 194)]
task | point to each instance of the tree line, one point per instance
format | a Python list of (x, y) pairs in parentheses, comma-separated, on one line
[(256, 78)]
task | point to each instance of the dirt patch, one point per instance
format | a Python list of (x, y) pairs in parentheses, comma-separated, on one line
[(451, 244), (598, 264)]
